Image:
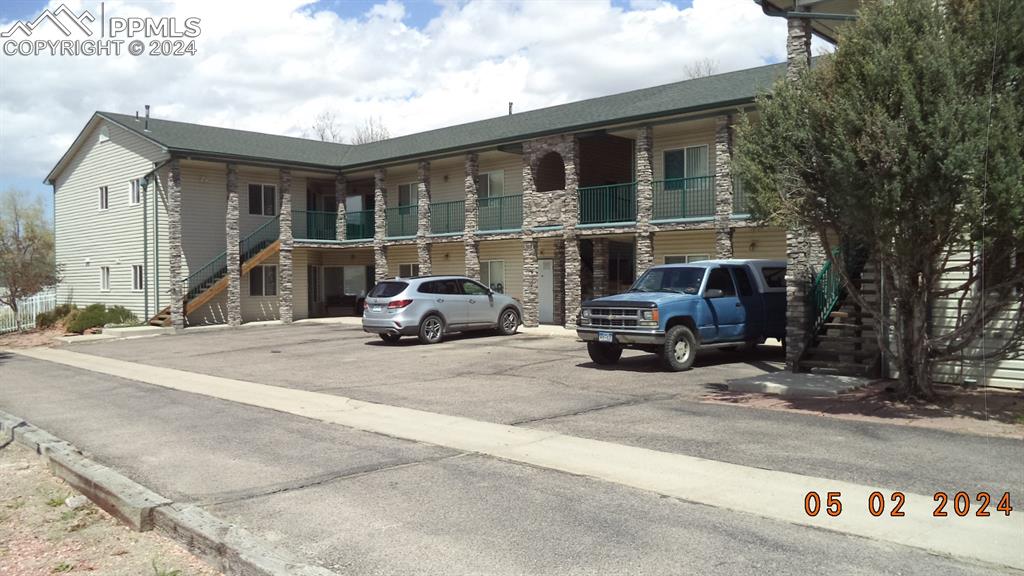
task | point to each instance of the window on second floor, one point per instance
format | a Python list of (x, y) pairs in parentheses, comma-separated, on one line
[(104, 198), (135, 192), (262, 199), (689, 162), (491, 184), (408, 194)]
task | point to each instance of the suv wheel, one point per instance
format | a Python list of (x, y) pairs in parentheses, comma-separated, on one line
[(431, 329), (390, 338), (679, 350), (604, 354), (508, 322)]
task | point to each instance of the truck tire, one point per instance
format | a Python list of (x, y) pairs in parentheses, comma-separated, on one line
[(604, 354), (679, 350)]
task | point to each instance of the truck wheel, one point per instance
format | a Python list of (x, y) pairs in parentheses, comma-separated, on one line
[(679, 350), (604, 354)]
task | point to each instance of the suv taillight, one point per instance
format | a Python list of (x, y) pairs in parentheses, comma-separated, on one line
[(395, 304)]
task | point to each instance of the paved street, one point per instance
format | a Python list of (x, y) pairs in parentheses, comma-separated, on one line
[(370, 503)]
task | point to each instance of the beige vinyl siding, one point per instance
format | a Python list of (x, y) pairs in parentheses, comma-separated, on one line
[(511, 252), (454, 188), (1003, 373), (454, 264), (88, 238), (300, 283), (396, 176), (511, 164), (398, 255), (683, 243), (759, 243), (256, 308)]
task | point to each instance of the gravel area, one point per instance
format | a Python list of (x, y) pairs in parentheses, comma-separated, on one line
[(48, 528)]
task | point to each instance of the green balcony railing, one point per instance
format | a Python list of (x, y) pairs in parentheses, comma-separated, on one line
[(447, 217), (607, 204), (501, 212), (260, 238), (208, 274), (359, 225), (680, 198), (740, 199), (402, 221), (310, 225)]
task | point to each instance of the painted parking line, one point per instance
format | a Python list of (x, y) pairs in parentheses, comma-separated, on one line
[(770, 494)]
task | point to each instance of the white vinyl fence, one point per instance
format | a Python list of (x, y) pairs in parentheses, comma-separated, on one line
[(27, 310)]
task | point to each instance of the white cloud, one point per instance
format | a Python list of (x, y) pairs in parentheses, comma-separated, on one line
[(273, 68)]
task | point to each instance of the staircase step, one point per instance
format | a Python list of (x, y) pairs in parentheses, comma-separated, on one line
[(851, 368), (816, 353), (838, 339), (847, 326)]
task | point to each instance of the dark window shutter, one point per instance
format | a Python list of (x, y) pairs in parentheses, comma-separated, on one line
[(255, 199), (256, 281)]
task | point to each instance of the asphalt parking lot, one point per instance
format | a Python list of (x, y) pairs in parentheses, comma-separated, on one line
[(359, 502)]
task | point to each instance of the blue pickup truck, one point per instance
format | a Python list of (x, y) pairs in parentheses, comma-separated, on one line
[(673, 310)]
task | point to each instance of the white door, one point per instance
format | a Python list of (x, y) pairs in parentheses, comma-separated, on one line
[(546, 290)]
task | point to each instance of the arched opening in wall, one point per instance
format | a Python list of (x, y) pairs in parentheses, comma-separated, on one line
[(550, 173)]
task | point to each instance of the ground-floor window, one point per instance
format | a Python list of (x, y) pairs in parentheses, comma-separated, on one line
[(263, 281), (492, 274), (105, 278), (408, 270), (138, 278), (683, 259)]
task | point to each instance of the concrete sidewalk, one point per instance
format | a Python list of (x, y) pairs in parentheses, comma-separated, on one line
[(765, 493)]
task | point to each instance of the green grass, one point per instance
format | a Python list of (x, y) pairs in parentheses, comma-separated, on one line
[(63, 567), (158, 571)]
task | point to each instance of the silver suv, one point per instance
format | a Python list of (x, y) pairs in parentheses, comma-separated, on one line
[(431, 306)]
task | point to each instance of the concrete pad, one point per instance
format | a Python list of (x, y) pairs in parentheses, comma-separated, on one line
[(134, 331), (77, 338), (797, 385), (766, 493)]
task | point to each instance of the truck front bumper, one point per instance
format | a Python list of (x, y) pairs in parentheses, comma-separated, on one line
[(623, 336)]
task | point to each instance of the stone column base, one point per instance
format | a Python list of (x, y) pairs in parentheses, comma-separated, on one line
[(530, 298)]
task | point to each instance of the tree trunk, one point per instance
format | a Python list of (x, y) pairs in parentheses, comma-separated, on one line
[(17, 317), (914, 364)]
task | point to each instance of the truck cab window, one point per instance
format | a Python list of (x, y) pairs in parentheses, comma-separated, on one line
[(743, 282), (722, 280)]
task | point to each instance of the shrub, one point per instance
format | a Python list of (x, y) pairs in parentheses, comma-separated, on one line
[(45, 320), (121, 316), (97, 315)]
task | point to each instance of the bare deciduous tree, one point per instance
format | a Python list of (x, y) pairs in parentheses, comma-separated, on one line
[(372, 130), (326, 128), (701, 68), (26, 249)]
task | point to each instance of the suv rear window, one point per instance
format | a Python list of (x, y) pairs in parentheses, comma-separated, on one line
[(388, 289)]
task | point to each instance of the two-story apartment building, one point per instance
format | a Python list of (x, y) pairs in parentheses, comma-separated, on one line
[(197, 224)]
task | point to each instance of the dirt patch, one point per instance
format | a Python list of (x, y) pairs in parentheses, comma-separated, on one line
[(31, 338), (43, 536), (984, 411)]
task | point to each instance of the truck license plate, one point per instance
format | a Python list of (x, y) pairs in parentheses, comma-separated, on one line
[(605, 337)]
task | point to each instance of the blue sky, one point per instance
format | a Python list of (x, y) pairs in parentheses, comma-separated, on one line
[(414, 65)]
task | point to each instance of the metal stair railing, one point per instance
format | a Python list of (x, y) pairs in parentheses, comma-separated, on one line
[(208, 275)]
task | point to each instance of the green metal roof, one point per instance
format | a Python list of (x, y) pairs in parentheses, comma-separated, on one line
[(732, 88)]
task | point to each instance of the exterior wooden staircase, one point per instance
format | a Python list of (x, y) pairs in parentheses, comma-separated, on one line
[(211, 279), (844, 338)]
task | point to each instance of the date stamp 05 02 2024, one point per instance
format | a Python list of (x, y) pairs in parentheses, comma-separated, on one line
[(961, 504)]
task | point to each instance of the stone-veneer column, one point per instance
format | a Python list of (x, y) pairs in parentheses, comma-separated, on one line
[(723, 187), (600, 267), (423, 217), (472, 222), (340, 192), (570, 218), (284, 299), (530, 311), (231, 236), (573, 288), (803, 247), (558, 282), (644, 199), (380, 225), (179, 283), (798, 46), (529, 188)]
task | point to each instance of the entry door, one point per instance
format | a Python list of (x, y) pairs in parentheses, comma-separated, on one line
[(546, 291)]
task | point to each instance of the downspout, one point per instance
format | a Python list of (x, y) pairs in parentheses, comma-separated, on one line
[(145, 253)]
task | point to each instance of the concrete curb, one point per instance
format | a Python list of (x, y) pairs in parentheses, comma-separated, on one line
[(226, 547)]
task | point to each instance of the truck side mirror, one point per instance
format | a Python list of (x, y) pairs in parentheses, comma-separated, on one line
[(713, 293)]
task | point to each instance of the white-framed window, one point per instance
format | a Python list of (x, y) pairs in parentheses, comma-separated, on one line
[(105, 278), (104, 134), (135, 191), (689, 162), (104, 202), (408, 194), (263, 199), (138, 278), (263, 281), (492, 274), (491, 184), (686, 258), (408, 270)]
